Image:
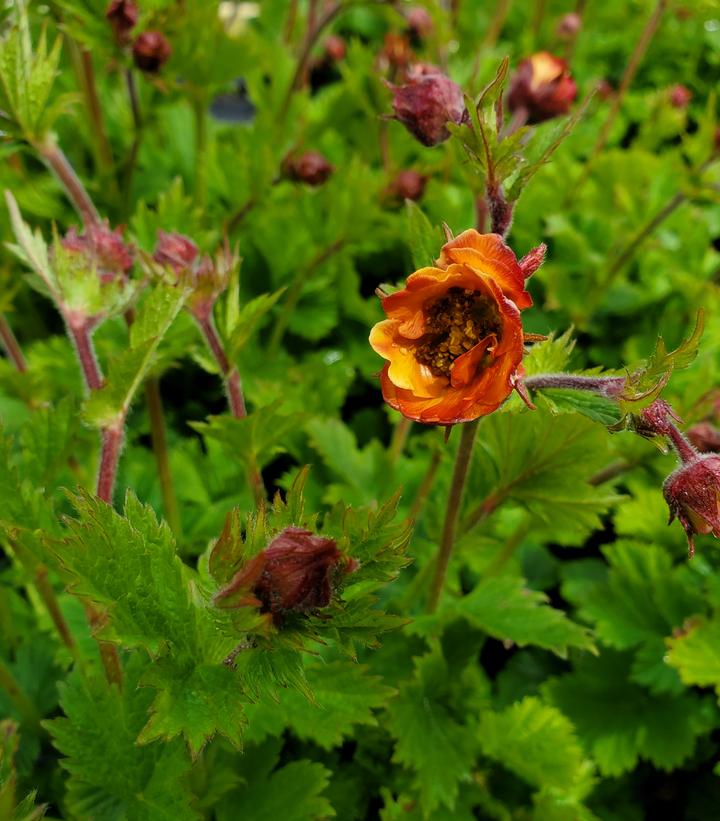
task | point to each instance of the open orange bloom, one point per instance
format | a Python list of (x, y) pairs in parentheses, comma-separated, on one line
[(453, 337)]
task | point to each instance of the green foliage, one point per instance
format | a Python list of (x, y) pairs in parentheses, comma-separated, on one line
[(506, 610), (572, 662)]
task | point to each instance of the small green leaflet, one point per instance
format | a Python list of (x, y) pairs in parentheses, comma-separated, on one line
[(424, 239), (110, 405)]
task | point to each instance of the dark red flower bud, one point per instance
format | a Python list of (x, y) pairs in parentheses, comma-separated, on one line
[(569, 26), (335, 48), (407, 185), (426, 103), (122, 16), (419, 22), (542, 87), (680, 96), (104, 248), (175, 250), (310, 167), (693, 496), (151, 51), (294, 574), (705, 437)]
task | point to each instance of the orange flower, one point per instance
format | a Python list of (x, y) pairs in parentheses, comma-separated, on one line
[(453, 337)]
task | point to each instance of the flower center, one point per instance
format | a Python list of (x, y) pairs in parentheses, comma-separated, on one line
[(453, 325)]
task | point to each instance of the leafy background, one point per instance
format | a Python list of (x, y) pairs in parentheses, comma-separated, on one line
[(572, 671)]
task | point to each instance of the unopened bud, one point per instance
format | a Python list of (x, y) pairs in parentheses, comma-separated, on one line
[(407, 185), (335, 48), (122, 16), (693, 496), (542, 87), (104, 248), (426, 104), (569, 26), (705, 437), (294, 574), (175, 250), (311, 167), (680, 96), (151, 51)]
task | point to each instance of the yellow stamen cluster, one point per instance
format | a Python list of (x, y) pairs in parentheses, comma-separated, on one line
[(454, 324)]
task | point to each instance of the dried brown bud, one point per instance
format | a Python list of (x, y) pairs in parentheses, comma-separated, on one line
[(542, 87), (294, 574), (420, 22), (569, 26), (407, 185), (680, 96), (104, 248), (693, 496), (426, 103), (151, 51), (396, 52), (122, 16), (175, 250), (705, 437), (311, 167)]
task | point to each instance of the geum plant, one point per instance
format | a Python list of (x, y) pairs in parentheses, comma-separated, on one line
[(246, 677)]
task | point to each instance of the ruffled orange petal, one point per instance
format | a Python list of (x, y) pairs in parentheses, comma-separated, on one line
[(404, 370), (489, 255), (465, 367)]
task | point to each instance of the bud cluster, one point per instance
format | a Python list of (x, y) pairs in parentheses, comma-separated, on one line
[(150, 49)]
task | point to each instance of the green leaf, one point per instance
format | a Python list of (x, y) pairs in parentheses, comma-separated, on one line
[(110, 405), (619, 722), (128, 564), (256, 438), (643, 597), (110, 775), (508, 611), (535, 741), (424, 238), (205, 702), (343, 695), (644, 385), (247, 321), (595, 407), (293, 793), (695, 653), (431, 742), (545, 462)]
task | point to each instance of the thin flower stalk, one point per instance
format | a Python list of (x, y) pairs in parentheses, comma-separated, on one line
[(11, 346), (457, 487)]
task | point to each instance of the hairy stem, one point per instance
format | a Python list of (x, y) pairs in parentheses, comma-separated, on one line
[(230, 374), (295, 291), (460, 472), (160, 449), (58, 163), (604, 385), (682, 445), (80, 335), (11, 345), (112, 441), (92, 102), (47, 594)]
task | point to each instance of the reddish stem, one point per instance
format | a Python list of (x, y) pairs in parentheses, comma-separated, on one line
[(230, 374), (12, 348), (59, 165), (604, 385), (112, 441), (80, 334), (684, 449)]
